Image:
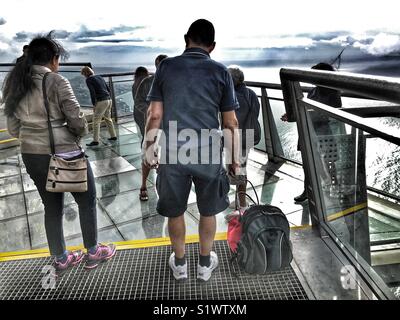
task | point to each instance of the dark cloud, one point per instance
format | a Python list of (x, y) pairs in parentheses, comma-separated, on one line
[(2, 21), (366, 41), (322, 52), (320, 36), (127, 28), (120, 49), (83, 34), (22, 36), (120, 54), (88, 40), (61, 34)]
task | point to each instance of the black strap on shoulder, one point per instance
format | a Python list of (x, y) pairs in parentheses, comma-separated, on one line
[(140, 84), (46, 105)]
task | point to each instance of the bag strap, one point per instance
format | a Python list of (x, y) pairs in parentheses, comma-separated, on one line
[(140, 84), (247, 195), (46, 105)]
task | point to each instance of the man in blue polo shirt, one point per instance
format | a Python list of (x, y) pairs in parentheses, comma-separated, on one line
[(188, 95)]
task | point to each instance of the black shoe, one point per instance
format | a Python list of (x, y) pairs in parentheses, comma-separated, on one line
[(92, 144), (302, 197), (112, 139)]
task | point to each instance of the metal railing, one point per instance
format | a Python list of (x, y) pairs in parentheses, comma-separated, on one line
[(298, 109), (270, 94), (273, 142)]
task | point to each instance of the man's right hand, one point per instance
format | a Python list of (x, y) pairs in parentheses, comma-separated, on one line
[(150, 157)]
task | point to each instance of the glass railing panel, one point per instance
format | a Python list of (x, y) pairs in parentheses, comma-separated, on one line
[(275, 94), (123, 97), (78, 84), (383, 165), (287, 132), (347, 159), (3, 73), (72, 73)]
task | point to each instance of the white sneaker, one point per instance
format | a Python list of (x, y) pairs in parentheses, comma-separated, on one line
[(204, 273), (179, 272)]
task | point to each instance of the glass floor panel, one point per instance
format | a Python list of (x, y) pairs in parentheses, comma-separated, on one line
[(121, 216)]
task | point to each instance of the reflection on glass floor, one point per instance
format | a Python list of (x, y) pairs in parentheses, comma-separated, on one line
[(121, 216)]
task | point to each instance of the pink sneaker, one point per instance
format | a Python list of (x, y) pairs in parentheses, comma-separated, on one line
[(73, 258), (103, 253)]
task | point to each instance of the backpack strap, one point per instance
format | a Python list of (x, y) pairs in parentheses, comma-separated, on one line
[(247, 195)]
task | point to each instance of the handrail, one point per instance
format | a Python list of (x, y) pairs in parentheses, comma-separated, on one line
[(290, 73), (63, 64), (117, 74), (355, 121), (257, 84), (372, 87)]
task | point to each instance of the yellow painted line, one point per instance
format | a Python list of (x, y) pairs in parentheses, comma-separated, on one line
[(3, 130), (347, 211), (122, 245), (35, 252), (8, 140), (303, 227)]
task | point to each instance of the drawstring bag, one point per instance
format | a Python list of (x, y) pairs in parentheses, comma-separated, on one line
[(63, 175), (234, 224)]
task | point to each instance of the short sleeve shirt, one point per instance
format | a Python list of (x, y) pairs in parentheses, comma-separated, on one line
[(194, 90)]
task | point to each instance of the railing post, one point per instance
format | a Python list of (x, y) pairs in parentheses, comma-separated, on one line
[(114, 111), (272, 142)]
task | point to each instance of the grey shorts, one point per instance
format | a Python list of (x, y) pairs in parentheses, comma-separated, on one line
[(174, 182)]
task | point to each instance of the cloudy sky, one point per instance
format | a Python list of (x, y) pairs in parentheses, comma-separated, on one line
[(120, 31)]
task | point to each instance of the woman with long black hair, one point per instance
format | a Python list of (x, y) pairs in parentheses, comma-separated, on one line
[(27, 121)]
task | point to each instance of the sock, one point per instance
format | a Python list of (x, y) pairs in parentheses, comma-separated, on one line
[(180, 261), (92, 250), (205, 261), (62, 258)]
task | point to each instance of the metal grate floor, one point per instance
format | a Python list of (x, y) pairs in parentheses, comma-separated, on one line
[(144, 274)]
